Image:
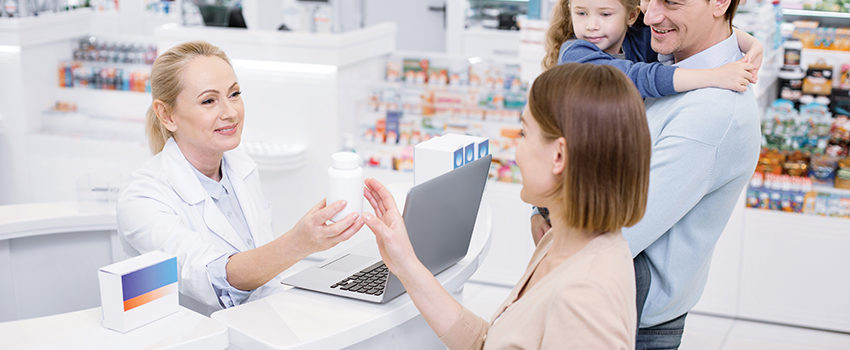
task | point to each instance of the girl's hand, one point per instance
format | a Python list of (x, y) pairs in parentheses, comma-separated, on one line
[(390, 232), (313, 234), (733, 76), (754, 56)]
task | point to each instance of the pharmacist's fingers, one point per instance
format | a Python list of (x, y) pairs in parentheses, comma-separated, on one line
[(310, 216), (351, 230), (340, 226), (326, 213)]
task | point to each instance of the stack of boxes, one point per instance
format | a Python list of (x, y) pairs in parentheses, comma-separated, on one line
[(442, 154)]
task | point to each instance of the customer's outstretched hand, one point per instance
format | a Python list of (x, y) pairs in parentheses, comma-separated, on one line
[(388, 227)]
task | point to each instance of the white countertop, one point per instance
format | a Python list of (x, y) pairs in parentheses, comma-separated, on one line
[(22, 220), (296, 318), (185, 329)]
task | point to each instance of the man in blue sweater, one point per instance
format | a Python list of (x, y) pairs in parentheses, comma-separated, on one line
[(705, 148)]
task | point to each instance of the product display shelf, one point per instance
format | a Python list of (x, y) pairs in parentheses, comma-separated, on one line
[(831, 57), (448, 88), (49, 27), (824, 17), (830, 189)]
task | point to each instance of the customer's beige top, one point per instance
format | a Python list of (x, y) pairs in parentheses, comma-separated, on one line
[(587, 302)]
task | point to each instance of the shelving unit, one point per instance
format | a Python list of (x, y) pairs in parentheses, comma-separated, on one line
[(476, 40), (826, 18), (49, 27)]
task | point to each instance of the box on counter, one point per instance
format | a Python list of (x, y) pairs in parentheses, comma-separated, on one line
[(139, 290), (474, 146), (445, 153), (435, 157)]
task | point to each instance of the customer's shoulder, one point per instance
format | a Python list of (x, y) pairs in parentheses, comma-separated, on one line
[(719, 104), (604, 262)]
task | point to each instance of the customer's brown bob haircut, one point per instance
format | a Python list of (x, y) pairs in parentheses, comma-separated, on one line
[(600, 115)]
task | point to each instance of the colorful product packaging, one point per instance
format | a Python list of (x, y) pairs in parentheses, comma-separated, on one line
[(138, 291)]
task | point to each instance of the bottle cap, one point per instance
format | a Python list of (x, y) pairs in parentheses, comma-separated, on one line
[(345, 160)]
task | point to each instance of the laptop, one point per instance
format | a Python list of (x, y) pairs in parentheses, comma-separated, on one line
[(439, 215)]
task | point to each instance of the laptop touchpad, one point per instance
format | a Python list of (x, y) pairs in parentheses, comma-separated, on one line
[(347, 263)]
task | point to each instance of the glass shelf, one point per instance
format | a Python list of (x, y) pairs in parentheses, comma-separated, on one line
[(826, 18), (495, 14)]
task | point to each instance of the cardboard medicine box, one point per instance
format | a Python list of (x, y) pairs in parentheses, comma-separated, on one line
[(139, 290), (435, 157), (475, 147)]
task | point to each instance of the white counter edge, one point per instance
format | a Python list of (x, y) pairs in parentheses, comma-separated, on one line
[(26, 220)]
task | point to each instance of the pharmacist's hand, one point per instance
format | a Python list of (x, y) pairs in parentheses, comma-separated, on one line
[(539, 227), (388, 227), (313, 234)]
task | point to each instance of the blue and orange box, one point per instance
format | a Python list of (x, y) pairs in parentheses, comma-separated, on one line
[(139, 290)]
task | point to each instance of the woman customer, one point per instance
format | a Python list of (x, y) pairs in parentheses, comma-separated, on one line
[(584, 154), (200, 196)]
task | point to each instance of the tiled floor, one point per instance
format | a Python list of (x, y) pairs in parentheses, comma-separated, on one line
[(702, 332)]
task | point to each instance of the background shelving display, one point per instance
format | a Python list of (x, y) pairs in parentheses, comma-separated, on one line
[(424, 96)]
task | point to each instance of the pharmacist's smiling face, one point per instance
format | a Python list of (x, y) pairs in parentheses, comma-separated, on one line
[(209, 112)]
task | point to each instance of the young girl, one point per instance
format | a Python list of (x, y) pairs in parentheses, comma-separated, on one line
[(584, 154), (590, 31)]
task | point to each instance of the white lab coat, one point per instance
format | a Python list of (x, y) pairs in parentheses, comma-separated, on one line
[(164, 207)]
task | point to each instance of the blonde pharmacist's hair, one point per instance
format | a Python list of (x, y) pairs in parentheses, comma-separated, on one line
[(166, 84), (600, 115)]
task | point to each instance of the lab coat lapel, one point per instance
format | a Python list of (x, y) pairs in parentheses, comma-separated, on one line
[(242, 167), (183, 180), (218, 224)]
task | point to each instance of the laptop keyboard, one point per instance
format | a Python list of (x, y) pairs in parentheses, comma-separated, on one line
[(370, 280)]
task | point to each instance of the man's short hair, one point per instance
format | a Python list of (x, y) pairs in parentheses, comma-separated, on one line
[(730, 11)]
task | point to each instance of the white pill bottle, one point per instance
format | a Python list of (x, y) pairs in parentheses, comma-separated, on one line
[(345, 182)]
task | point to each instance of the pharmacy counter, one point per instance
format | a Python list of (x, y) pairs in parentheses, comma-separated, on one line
[(26, 220), (295, 318), (184, 329), (49, 253)]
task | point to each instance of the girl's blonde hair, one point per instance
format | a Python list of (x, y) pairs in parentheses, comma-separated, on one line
[(166, 84), (561, 29)]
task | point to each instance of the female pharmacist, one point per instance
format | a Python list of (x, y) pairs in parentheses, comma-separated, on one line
[(584, 154), (200, 198)]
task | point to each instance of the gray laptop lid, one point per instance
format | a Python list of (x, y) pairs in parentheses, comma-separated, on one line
[(440, 214)]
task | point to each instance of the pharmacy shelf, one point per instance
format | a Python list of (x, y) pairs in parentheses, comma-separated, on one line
[(834, 19), (831, 57), (48, 27), (830, 189), (130, 105)]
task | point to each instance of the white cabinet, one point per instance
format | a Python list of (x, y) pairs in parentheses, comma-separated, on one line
[(795, 269), (781, 267)]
